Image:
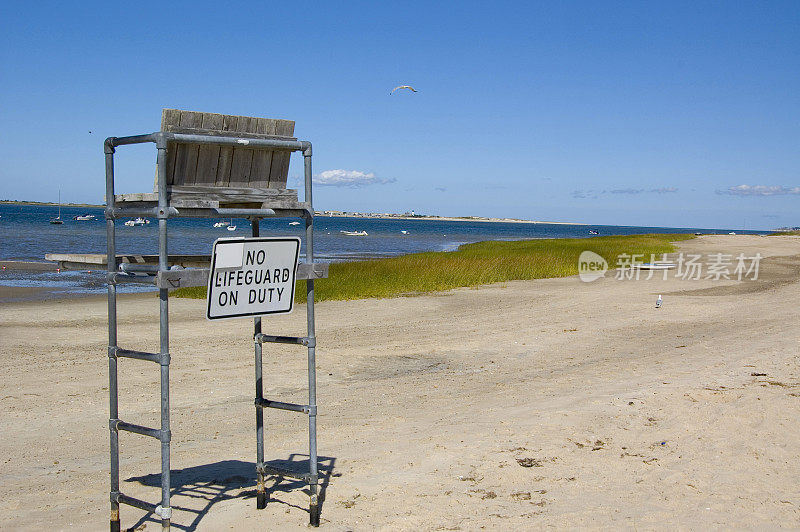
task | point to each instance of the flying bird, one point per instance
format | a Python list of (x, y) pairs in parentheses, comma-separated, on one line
[(409, 87)]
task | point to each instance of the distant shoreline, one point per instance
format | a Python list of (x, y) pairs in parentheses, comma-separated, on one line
[(49, 204), (336, 215), (442, 218)]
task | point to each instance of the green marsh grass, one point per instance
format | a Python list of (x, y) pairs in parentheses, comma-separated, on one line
[(471, 265)]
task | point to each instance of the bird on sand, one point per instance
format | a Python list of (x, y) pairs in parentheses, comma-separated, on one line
[(409, 87)]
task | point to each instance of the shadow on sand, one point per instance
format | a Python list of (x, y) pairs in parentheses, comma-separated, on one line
[(231, 479)]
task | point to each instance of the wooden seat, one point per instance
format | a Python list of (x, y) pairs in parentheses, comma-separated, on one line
[(213, 176)]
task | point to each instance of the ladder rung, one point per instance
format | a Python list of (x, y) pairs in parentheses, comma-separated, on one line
[(299, 340), (280, 472), (266, 403), (117, 278), (136, 503), (139, 355), (133, 267), (139, 429)]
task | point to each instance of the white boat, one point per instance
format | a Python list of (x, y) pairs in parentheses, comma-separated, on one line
[(731, 233), (354, 233), (57, 220), (294, 223), (136, 221), (231, 228), (222, 224), (404, 232), (657, 265), (84, 217)]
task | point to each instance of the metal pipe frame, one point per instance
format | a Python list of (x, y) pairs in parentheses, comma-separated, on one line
[(113, 394), (133, 267), (115, 425), (201, 212), (261, 490), (161, 137), (267, 403), (119, 212), (299, 340), (163, 212), (120, 278), (308, 341), (280, 472), (139, 429), (139, 355), (312, 359), (163, 296)]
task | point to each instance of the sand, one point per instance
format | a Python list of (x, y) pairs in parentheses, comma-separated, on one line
[(522, 405)]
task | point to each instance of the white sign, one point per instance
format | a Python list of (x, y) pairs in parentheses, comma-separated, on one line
[(252, 277)]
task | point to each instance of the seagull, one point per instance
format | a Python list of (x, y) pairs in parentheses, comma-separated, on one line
[(409, 87)]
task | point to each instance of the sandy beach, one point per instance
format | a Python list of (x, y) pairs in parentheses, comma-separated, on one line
[(523, 405)]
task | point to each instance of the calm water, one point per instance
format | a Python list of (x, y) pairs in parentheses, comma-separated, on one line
[(26, 234)]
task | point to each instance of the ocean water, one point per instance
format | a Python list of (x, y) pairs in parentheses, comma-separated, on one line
[(27, 235)]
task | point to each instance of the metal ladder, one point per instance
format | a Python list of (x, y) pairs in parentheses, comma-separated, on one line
[(310, 342), (162, 278)]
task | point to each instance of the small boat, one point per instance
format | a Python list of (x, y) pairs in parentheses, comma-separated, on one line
[(404, 232), (136, 221), (593, 232), (354, 233), (222, 224), (731, 233), (57, 220), (84, 217), (657, 265), (231, 228), (294, 223)]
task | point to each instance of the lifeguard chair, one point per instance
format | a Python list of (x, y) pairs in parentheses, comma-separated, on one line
[(209, 166)]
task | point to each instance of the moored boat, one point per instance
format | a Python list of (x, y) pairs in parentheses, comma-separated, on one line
[(57, 220)]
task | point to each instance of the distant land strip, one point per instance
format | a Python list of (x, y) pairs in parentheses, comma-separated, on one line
[(339, 214), (48, 204)]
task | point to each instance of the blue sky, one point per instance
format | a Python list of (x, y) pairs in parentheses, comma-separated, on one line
[(633, 113)]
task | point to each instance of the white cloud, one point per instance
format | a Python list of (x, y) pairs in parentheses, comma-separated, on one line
[(664, 190), (349, 178), (760, 190), (627, 191)]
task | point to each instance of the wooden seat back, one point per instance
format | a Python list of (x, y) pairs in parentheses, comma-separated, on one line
[(196, 166)]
